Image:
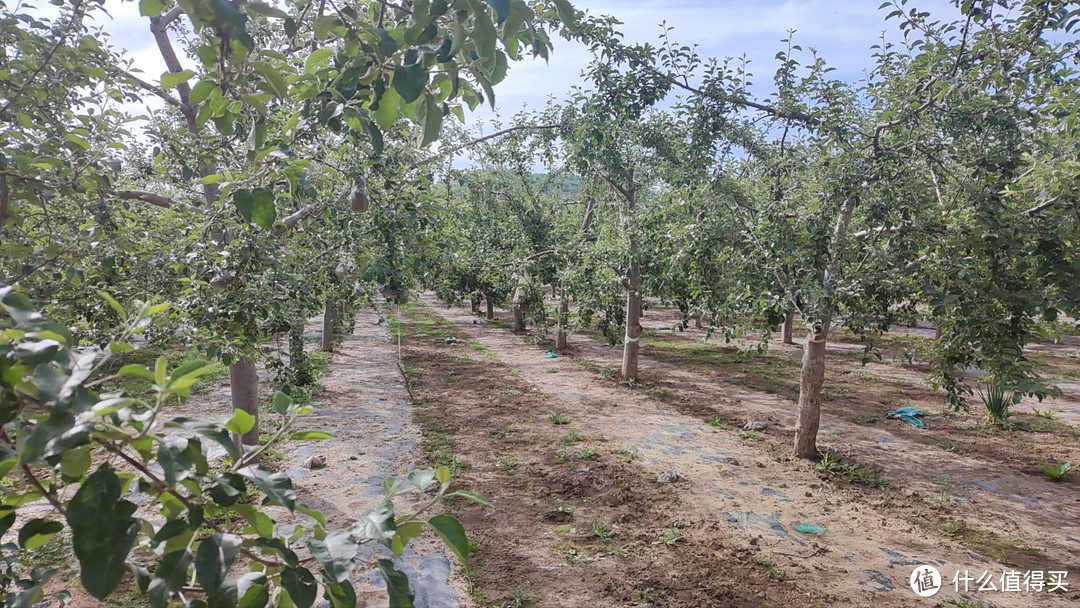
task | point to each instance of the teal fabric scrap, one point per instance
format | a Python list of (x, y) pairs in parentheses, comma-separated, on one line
[(551, 354), (909, 415), (806, 528)]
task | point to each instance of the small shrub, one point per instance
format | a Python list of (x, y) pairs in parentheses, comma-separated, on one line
[(586, 453), (558, 419), (603, 532), (670, 537), (998, 400), (572, 437), (1048, 414), (1057, 472)]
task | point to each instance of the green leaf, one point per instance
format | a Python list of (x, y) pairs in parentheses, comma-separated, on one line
[(265, 10), (102, 531), (421, 479), (134, 369), (472, 496), (201, 91), (78, 141), (273, 76), (443, 475), (502, 9), (7, 518), (206, 429), (311, 436), (567, 14), (405, 534), (173, 459), (277, 486), (197, 367), (160, 367), (387, 112), (37, 532), (313, 514), (484, 34), (241, 422), (281, 403), (301, 586), (260, 522), (263, 212), (244, 203), (409, 81), (335, 553), (323, 25), (430, 115), (317, 58), (75, 463), (151, 8), (453, 534), (119, 347), (171, 80), (210, 564), (376, 524), (397, 585)]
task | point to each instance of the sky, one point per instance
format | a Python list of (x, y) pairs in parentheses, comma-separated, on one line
[(841, 30)]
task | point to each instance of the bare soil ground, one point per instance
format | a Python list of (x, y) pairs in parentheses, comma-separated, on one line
[(649, 494), (959, 496)]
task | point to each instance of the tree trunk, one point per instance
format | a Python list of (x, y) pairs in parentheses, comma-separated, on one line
[(631, 344), (244, 381), (810, 382), (553, 293), (697, 321), (519, 320), (785, 331), (474, 303), (328, 325), (937, 332), (490, 306), (564, 321)]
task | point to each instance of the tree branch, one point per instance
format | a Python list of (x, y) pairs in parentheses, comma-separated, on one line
[(623, 191), (77, 15), (156, 90), (1035, 209), (291, 221), (862, 234), (472, 143), (164, 43), (158, 200), (4, 200)]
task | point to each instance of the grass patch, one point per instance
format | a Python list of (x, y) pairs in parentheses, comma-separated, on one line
[(832, 463)]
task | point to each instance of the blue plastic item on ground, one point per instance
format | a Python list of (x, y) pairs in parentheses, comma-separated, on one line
[(909, 415), (551, 354), (806, 528)]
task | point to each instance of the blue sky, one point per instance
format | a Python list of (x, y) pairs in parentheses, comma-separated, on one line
[(841, 30)]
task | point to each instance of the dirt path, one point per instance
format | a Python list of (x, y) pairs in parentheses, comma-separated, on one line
[(363, 400), (867, 552), (987, 487)]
